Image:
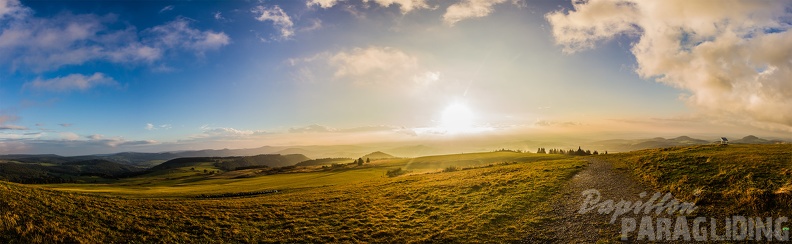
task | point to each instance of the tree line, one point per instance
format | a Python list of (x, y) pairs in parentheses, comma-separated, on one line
[(571, 152)]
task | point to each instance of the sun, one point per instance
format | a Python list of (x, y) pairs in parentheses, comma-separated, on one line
[(457, 118)]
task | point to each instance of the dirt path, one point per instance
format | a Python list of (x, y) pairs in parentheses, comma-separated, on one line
[(566, 225)]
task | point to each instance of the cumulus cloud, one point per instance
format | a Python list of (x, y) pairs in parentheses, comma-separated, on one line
[(467, 9), (321, 3), (405, 5), (374, 64), (278, 17), (12, 8), (179, 34), (70, 82), (45, 44), (733, 57)]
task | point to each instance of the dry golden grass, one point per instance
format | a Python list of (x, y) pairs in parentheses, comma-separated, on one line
[(733, 179), (491, 203)]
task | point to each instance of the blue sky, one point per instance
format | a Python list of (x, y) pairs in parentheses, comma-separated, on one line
[(81, 77)]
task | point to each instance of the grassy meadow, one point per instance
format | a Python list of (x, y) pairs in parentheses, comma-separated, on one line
[(488, 197), (733, 179)]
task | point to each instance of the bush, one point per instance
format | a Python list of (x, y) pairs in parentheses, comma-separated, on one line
[(396, 172), (451, 169)]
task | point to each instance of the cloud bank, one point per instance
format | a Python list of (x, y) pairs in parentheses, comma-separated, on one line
[(732, 56)]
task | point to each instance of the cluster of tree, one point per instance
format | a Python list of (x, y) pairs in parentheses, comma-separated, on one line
[(359, 161), (509, 150), (571, 152)]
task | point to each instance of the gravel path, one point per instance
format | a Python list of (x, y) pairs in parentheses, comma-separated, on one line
[(566, 225)]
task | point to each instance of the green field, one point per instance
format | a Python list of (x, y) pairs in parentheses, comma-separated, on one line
[(491, 196)]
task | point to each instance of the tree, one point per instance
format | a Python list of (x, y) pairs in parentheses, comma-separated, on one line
[(595, 152), (368, 160), (360, 162)]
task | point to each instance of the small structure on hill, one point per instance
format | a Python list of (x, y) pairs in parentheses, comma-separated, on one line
[(724, 141)]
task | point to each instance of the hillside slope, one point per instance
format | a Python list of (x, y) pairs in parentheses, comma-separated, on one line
[(737, 179), (475, 205)]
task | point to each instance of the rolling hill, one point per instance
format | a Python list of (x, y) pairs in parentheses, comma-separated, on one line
[(75, 171), (482, 204), (377, 155)]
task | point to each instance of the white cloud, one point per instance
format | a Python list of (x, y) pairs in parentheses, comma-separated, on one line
[(12, 8), (67, 39), (179, 34), (166, 8), (732, 56), (278, 17), (311, 129), (225, 132), (70, 82), (218, 16), (374, 64), (405, 5), (150, 126), (5, 118), (45, 44), (467, 9), (12, 127), (69, 136), (322, 3)]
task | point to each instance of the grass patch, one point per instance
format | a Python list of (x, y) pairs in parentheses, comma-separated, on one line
[(733, 179)]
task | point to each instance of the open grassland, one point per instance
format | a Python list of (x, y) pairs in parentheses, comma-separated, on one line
[(484, 204), (738, 178), (192, 180)]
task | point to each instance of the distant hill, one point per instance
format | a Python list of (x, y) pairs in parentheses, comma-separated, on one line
[(268, 160), (622, 145), (754, 140), (63, 173), (324, 161), (232, 163), (377, 155)]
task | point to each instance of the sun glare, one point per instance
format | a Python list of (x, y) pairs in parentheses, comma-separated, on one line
[(457, 118)]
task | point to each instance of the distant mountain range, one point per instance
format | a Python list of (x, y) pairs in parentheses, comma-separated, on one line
[(621, 145), (148, 160)]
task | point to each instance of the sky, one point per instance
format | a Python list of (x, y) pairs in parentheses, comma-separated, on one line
[(89, 77)]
